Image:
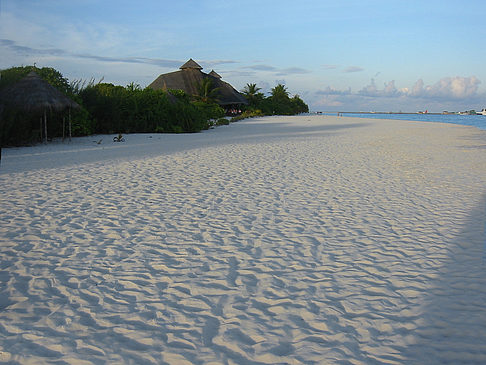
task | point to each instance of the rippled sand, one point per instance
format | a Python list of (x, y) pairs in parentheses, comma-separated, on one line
[(282, 240)]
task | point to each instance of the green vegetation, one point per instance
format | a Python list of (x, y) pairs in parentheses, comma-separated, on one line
[(19, 127), (131, 109), (107, 108), (278, 103), (206, 91), (222, 121), (52, 76), (249, 113)]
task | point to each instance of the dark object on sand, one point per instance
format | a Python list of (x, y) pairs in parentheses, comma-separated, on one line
[(119, 138)]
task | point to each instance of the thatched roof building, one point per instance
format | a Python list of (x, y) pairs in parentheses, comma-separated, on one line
[(190, 75), (33, 94)]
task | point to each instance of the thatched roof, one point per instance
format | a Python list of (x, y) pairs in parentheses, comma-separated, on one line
[(191, 64), (215, 74), (33, 94), (190, 76)]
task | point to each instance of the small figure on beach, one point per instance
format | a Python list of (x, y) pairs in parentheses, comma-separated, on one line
[(119, 138)]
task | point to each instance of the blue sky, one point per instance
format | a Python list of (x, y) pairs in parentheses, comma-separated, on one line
[(346, 55)]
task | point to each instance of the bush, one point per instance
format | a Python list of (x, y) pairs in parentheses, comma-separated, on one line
[(279, 103), (248, 114), (116, 109), (209, 111), (222, 121)]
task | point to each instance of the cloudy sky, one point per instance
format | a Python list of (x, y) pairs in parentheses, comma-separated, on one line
[(347, 55)]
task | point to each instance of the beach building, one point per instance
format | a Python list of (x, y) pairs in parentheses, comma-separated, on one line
[(36, 96), (190, 74)]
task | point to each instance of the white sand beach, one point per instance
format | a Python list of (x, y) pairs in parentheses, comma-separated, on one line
[(276, 240)]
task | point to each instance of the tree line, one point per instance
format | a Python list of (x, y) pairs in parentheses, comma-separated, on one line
[(278, 103), (108, 109)]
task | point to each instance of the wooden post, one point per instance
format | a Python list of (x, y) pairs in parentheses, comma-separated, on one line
[(41, 126), (69, 124), (63, 127), (45, 126)]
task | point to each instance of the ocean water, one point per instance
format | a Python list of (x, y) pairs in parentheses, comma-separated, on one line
[(478, 121)]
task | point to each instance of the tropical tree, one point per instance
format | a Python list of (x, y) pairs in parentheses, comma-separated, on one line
[(252, 94), (251, 89), (133, 87), (206, 91), (298, 105), (280, 92), (49, 74)]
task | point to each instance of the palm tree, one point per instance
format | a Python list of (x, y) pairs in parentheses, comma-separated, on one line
[(280, 92), (252, 94), (251, 90), (206, 91), (131, 87)]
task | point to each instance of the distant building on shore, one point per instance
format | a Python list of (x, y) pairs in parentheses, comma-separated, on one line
[(190, 75)]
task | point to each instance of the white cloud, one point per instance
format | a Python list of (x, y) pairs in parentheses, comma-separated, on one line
[(55, 52), (353, 69), (370, 90), (12, 27), (417, 89), (455, 87), (262, 68), (328, 101), (390, 89), (293, 71), (446, 88), (277, 71), (331, 91), (214, 63), (449, 93)]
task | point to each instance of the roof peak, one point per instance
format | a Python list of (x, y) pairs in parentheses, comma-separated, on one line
[(215, 74), (191, 64)]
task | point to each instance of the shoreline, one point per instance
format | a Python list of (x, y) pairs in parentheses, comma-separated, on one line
[(304, 239), (477, 121)]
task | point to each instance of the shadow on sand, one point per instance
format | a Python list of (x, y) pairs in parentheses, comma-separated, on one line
[(237, 133), (453, 330)]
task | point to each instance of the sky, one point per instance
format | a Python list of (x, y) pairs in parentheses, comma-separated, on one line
[(346, 55)]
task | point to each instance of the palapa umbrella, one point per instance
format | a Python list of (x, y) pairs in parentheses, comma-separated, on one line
[(33, 94)]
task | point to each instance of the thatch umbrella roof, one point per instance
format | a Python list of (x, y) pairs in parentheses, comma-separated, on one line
[(33, 94), (190, 76)]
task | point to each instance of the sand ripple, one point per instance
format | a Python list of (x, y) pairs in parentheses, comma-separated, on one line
[(314, 244)]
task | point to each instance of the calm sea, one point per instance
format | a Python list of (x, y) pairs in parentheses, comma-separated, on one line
[(478, 121)]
